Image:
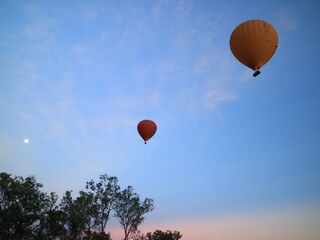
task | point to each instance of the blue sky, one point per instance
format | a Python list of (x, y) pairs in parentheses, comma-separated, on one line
[(231, 151)]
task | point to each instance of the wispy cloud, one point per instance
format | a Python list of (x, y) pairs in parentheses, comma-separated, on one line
[(286, 20), (25, 115), (114, 122), (215, 97)]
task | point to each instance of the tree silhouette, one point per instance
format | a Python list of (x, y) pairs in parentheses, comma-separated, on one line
[(167, 235), (25, 211), (75, 220), (104, 194), (28, 213), (129, 210)]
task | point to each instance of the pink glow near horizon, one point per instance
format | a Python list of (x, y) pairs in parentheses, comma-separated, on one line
[(281, 224)]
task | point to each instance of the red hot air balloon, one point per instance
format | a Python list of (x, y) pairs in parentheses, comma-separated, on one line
[(146, 129)]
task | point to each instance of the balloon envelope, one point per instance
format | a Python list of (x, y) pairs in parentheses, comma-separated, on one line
[(146, 129), (253, 43)]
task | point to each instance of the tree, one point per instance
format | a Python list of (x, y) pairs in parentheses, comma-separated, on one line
[(21, 204), (129, 210), (88, 214), (104, 194), (137, 235), (157, 235), (75, 220), (88, 209), (167, 235), (52, 219), (28, 213)]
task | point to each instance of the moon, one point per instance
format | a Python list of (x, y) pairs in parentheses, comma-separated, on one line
[(26, 140)]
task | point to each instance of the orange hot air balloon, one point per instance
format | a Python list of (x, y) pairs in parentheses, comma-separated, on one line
[(146, 129), (253, 43)]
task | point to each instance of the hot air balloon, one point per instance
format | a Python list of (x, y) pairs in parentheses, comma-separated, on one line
[(146, 129), (253, 43)]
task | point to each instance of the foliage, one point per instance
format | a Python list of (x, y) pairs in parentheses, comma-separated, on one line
[(25, 211), (102, 196), (28, 213), (160, 235), (129, 210), (157, 235), (52, 220), (75, 220)]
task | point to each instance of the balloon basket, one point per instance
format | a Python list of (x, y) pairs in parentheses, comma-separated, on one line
[(256, 73)]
